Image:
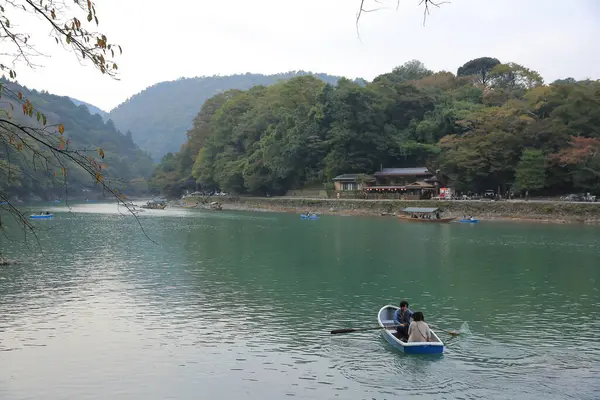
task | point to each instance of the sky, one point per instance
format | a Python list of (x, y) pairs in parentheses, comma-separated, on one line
[(166, 40)]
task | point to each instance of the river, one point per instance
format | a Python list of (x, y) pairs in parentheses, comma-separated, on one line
[(236, 305)]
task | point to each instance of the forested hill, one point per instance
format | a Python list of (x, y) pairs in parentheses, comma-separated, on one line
[(490, 125), (92, 108), (160, 115), (27, 176)]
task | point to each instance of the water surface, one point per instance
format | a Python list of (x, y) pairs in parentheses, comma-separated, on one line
[(240, 304)]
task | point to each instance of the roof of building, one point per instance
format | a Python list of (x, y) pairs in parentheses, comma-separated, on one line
[(403, 171), (419, 210), (352, 177)]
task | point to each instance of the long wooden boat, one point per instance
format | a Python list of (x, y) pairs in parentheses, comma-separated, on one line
[(385, 318), (427, 215)]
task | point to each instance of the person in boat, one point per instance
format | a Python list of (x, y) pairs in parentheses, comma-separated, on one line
[(402, 318), (418, 330)]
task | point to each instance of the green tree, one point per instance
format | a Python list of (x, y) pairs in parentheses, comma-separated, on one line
[(530, 174), (480, 68)]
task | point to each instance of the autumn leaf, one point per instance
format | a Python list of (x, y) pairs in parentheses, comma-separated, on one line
[(20, 146), (101, 153), (43, 119), (98, 177), (61, 128), (61, 145), (20, 95)]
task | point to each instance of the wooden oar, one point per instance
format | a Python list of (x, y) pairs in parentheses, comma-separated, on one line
[(350, 330), (453, 333)]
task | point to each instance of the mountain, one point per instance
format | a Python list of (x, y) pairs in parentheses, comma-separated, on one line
[(160, 115), (27, 175), (92, 108)]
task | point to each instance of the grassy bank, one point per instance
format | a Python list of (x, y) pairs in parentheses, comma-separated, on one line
[(557, 212)]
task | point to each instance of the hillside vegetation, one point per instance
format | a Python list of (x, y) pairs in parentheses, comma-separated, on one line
[(160, 115), (25, 175), (491, 125)]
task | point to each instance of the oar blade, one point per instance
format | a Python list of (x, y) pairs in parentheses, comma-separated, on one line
[(345, 330)]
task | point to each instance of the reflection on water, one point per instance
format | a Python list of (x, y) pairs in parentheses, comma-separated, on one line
[(237, 304)]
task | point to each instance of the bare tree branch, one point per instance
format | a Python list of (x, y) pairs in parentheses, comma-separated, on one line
[(426, 12)]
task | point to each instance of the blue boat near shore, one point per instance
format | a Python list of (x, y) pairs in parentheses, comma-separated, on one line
[(41, 216), (385, 317), (469, 221), (311, 216)]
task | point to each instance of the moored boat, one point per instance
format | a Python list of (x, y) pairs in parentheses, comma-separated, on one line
[(469, 220), (215, 206), (155, 205), (385, 318), (422, 214), (309, 216)]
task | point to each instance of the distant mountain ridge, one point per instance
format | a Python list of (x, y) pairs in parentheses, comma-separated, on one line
[(160, 115), (92, 108)]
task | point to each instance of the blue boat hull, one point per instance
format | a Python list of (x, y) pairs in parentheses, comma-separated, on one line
[(313, 217), (385, 318), (41, 216), (468, 221)]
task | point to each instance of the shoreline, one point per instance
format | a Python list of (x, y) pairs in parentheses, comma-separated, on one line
[(513, 211)]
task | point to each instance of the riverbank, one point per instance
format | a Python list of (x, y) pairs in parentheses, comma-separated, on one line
[(551, 212)]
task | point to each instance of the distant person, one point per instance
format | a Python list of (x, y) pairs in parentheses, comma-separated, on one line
[(402, 317), (419, 331)]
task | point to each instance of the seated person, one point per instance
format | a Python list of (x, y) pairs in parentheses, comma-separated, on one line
[(402, 317), (419, 331)]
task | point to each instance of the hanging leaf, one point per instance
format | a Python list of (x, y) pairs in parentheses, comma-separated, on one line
[(98, 177), (20, 146), (61, 145), (101, 153), (20, 95), (43, 119), (89, 17), (61, 128), (64, 171), (39, 115)]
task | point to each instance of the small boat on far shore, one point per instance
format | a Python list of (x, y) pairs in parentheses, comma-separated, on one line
[(385, 318), (309, 216), (469, 220), (155, 205), (41, 216)]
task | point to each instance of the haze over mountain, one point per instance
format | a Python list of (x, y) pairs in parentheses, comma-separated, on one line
[(92, 108), (159, 116)]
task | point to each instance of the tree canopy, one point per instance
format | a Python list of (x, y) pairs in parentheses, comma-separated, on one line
[(492, 125)]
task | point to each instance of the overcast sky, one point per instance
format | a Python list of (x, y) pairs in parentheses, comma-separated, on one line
[(165, 40)]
